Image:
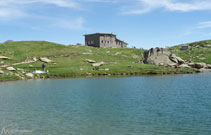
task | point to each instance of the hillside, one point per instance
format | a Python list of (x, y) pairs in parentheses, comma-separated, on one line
[(71, 61), (197, 52)]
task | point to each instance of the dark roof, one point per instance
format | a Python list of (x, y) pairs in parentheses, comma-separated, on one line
[(121, 41), (101, 34)]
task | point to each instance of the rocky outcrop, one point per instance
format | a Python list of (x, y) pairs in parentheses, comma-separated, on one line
[(1, 72), (162, 56)]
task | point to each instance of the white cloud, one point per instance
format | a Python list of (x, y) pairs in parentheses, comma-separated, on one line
[(145, 6), (203, 25), (76, 24)]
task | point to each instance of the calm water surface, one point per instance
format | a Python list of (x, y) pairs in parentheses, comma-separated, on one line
[(175, 105)]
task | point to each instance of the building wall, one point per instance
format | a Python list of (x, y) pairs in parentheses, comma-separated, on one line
[(107, 41), (92, 40)]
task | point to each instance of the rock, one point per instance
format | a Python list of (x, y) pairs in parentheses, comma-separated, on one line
[(135, 57), (11, 69), (172, 65), (200, 65), (157, 56), (176, 59), (2, 62), (202, 58), (35, 59), (107, 51), (46, 60), (209, 66), (98, 64), (87, 53), (81, 69), (173, 58), (184, 66), (30, 75), (30, 65), (4, 57), (90, 61), (1, 72), (204, 70), (107, 69), (20, 69), (191, 65), (117, 53)]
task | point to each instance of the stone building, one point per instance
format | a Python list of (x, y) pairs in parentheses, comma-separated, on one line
[(104, 40)]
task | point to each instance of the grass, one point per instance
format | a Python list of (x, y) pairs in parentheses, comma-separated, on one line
[(118, 60)]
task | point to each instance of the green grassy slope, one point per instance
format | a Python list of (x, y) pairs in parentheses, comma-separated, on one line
[(198, 51), (70, 60)]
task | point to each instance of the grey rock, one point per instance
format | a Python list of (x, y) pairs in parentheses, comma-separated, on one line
[(200, 65), (46, 60), (11, 69), (90, 61)]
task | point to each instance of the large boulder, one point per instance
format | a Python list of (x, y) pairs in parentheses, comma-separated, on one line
[(209, 66), (200, 65), (159, 56), (46, 60)]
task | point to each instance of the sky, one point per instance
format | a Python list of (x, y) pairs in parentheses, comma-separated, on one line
[(140, 23)]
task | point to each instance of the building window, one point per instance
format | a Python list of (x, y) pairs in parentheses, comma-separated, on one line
[(92, 42), (102, 41), (108, 42)]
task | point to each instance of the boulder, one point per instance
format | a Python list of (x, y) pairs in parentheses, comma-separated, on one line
[(200, 65), (90, 61), (11, 69), (35, 59), (98, 64), (184, 66), (117, 53), (191, 65), (4, 57), (176, 59), (209, 66), (46, 60), (30, 75), (1, 72)]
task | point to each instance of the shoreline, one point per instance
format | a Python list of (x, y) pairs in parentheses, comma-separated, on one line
[(100, 76)]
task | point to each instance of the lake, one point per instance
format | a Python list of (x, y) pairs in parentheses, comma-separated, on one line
[(155, 105)]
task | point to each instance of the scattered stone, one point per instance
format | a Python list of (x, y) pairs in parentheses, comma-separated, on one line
[(4, 57), (117, 53), (98, 64), (2, 62), (30, 65), (11, 69), (90, 61), (191, 65), (202, 58), (81, 69), (46, 60), (30, 75), (87, 53), (107, 69), (1, 72), (135, 57), (107, 51), (129, 66)]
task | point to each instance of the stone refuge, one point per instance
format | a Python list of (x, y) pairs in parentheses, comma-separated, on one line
[(104, 40), (164, 57)]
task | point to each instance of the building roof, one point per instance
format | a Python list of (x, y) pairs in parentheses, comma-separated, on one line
[(121, 41), (101, 34)]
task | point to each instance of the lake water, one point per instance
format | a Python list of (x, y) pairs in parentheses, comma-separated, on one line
[(159, 105)]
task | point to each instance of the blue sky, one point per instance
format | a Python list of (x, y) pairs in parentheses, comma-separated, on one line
[(141, 23)]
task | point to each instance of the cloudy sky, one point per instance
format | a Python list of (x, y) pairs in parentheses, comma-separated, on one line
[(141, 23)]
